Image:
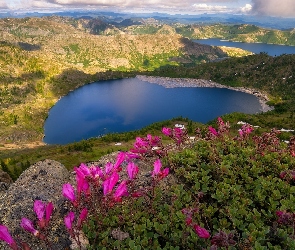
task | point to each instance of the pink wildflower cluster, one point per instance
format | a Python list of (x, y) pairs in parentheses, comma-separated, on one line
[(267, 141), (148, 146), (178, 135), (43, 212), (223, 128), (99, 189), (245, 131)]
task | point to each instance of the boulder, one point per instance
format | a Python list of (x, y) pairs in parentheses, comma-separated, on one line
[(5, 178), (41, 181), (5, 181)]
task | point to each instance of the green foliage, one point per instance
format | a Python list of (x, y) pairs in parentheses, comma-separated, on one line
[(84, 145), (241, 188)]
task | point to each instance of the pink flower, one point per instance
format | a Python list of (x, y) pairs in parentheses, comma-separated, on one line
[(108, 168), (82, 217), (120, 159), (132, 170), (121, 191), (82, 183), (167, 131), (201, 232), (220, 121), (84, 169), (109, 183), (157, 170), (5, 236), (96, 172), (131, 156), (69, 192), (28, 226), (164, 173), (213, 131), (48, 211), (39, 209), (157, 167), (241, 133), (68, 220), (153, 141)]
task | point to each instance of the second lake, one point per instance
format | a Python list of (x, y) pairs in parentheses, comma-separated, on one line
[(129, 104), (270, 49)]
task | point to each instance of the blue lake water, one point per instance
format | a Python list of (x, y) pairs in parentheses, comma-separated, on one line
[(270, 49), (128, 104)]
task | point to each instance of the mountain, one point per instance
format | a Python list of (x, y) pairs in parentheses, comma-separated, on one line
[(262, 21)]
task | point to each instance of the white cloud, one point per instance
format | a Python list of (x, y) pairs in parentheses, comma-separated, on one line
[(210, 8), (247, 8)]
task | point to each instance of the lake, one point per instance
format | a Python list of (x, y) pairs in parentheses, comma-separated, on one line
[(270, 49), (129, 104)]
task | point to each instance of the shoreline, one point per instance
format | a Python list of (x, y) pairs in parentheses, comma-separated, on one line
[(168, 82)]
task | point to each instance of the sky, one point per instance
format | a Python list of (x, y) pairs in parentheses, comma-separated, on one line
[(278, 8)]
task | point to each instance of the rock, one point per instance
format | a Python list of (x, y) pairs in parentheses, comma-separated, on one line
[(118, 234), (5, 181), (42, 181), (4, 177)]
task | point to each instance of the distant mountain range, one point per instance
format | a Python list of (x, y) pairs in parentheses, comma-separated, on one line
[(262, 21)]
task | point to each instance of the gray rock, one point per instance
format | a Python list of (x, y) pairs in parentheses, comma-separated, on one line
[(42, 181), (5, 178)]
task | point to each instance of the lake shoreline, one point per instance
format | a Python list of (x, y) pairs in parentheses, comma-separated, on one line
[(168, 82)]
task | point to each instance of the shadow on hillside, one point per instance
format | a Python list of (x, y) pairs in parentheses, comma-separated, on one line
[(30, 76), (71, 79), (200, 51), (28, 46)]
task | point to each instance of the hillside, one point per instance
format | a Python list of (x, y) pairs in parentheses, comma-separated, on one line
[(244, 33), (234, 32), (43, 59)]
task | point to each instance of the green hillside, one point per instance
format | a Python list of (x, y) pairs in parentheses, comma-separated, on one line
[(233, 32)]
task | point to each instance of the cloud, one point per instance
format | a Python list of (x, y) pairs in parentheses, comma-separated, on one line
[(183, 6), (44, 4), (282, 8), (246, 9), (210, 8), (3, 5)]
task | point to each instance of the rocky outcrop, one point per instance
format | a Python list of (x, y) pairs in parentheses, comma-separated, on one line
[(5, 181), (42, 181), (5, 178)]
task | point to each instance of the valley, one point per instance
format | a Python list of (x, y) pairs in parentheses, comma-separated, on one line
[(44, 58)]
